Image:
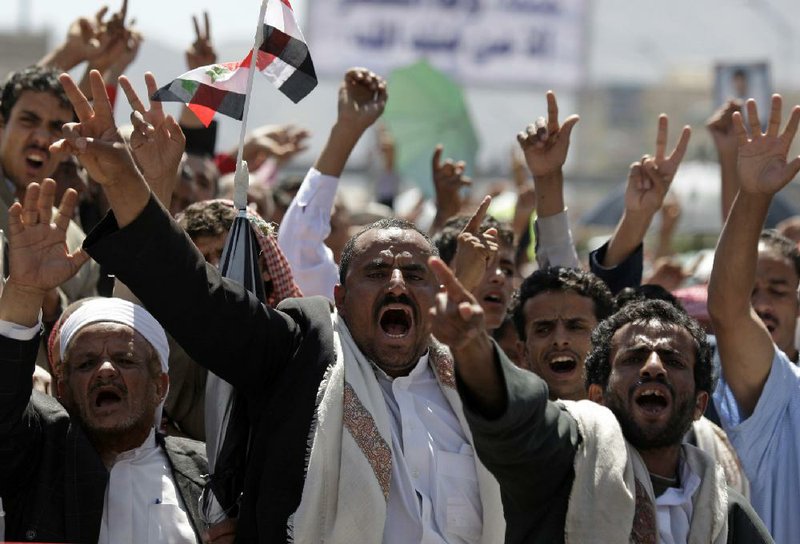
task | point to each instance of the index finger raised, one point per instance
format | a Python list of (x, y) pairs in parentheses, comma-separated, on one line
[(83, 109), (475, 221), (437, 156), (661, 136), (448, 279), (130, 94), (552, 112), (208, 25)]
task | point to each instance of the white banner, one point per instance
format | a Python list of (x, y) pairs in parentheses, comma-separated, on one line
[(475, 41)]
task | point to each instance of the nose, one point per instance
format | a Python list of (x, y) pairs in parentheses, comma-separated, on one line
[(496, 274), (653, 367), (106, 369), (761, 302), (560, 335), (43, 137), (397, 283)]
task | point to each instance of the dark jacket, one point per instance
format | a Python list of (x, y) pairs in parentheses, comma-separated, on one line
[(280, 356), (530, 449), (52, 480)]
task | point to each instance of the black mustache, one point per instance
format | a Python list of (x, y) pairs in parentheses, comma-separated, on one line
[(120, 387), (397, 299)]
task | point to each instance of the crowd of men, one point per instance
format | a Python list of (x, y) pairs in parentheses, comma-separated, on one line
[(397, 380)]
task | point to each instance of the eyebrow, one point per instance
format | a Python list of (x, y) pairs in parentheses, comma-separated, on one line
[(54, 124), (639, 349), (379, 264)]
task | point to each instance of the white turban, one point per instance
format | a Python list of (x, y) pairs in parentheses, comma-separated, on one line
[(116, 310)]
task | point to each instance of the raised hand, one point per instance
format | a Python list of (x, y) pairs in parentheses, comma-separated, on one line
[(157, 141), (448, 179), (545, 143), (763, 168), (362, 99), (650, 179), (457, 318), (475, 250), (94, 139), (280, 142), (37, 249), (201, 52), (720, 126)]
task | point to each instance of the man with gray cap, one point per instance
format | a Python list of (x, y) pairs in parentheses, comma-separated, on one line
[(94, 469)]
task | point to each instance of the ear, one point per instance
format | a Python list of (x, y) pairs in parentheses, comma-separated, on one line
[(162, 385), (701, 402), (60, 388), (339, 293), (596, 394)]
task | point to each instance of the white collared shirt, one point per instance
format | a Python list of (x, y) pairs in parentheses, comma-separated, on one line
[(434, 496), (674, 507), (142, 504)]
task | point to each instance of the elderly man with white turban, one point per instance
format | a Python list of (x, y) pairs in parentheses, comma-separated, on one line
[(94, 469)]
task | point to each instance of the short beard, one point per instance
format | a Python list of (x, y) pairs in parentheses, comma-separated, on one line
[(672, 434)]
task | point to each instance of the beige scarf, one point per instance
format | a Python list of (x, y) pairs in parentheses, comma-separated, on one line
[(612, 499), (350, 461)]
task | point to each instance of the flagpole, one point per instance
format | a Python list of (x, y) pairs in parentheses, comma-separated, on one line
[(241, 178)]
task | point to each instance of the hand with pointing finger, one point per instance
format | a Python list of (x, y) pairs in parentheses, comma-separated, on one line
[(475, 250)]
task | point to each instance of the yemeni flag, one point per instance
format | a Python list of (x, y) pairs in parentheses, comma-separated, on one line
[(282, 56)]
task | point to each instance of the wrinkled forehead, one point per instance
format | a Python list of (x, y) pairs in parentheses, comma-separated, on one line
[(652, 334), (109, 334), (393, 244)]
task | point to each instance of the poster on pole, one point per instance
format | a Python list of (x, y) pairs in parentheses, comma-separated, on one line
[(485, 42)]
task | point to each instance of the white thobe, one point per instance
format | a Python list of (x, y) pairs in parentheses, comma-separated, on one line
[(674, 508), (433, 496), (142, 504)]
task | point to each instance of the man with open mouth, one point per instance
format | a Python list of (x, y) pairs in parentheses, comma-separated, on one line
[(612, 470), (95, 468), (557, 309)]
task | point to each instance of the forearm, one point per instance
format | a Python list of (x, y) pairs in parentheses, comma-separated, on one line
[(729, 174), (61, 58), (302, 235), (734, 269), (477, 368), (127, 198), (340, 144), (627, 237), (529, 434), (549, 194)]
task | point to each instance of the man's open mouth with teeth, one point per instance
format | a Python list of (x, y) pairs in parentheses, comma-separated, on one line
[(653, 398), (562, 363), (36, 157), (396, 320)]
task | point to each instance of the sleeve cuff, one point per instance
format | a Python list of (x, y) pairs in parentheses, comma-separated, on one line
[(20, 332), (318, 187)]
